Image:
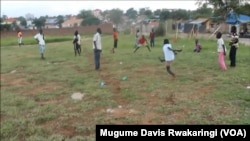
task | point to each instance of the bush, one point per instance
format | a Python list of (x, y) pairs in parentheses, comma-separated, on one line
[(5, 27)]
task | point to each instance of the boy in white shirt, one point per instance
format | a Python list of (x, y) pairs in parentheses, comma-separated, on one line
[(97, 47), (40, 39)]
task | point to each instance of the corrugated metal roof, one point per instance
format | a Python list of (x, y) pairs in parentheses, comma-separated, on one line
[(199, 21)]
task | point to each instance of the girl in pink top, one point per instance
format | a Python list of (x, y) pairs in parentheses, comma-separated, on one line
[(221, 51)]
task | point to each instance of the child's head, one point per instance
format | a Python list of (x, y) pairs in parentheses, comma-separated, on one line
[(165, 41), (76, 32), (218, 35)]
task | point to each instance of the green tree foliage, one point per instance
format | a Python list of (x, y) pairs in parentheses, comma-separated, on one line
[(148, 13), (142, 11), (245, 9), (131, 13), (202, 12), (223, 7), (164, 15), (23, 21), (60, 20), (5, 27), (115, 16), (179, 14), (39, 22), (91, 20), (88, 18), (157, 12)]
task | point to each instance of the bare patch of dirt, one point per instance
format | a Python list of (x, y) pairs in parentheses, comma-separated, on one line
[(68, 131), (51, 101), (12, 80), (201, 92), (52, 86)]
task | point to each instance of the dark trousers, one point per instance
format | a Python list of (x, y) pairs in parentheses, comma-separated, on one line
[(77, 49), (232, 56), (97, 54), (152, 42)]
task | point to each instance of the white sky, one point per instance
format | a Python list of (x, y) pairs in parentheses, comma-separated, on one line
[(13, 8)]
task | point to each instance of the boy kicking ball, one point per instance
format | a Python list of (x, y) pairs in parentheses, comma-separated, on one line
[(169, 55)]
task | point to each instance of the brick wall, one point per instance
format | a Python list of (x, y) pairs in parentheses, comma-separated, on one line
[(107, 28)]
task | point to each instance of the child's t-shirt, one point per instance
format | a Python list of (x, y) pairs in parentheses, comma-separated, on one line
[(220, 43)]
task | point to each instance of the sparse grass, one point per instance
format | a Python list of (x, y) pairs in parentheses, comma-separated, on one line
[(36, 100)]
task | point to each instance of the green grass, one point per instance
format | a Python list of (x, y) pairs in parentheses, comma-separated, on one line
[(36, 102), (11, 41)]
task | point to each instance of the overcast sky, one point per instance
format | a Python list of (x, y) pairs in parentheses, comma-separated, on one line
[(54, 8)]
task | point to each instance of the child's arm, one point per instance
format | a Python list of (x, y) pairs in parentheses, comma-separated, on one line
[(224, 50)]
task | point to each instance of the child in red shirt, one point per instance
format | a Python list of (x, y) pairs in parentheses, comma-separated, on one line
[(142, 42)]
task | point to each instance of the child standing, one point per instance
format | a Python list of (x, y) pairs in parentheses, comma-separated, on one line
[(20, 37), (40, 39), (115, 37), (77, 43), (233, 49), (152, 38), (221, 51)]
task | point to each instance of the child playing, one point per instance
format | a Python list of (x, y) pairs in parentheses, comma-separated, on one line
[(169, 55), (142, 42), (197, 46)]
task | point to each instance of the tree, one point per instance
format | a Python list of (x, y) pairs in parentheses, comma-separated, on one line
[(164, 15), (131, 13), (91, 20), (157, 12), (223, 7), (244, 9), (179, 14), (88, 18), (60, 20), (39, 22), (148, 13), (23, 21), (115, 16), (142, 11), (203, 12), (14, 25)]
